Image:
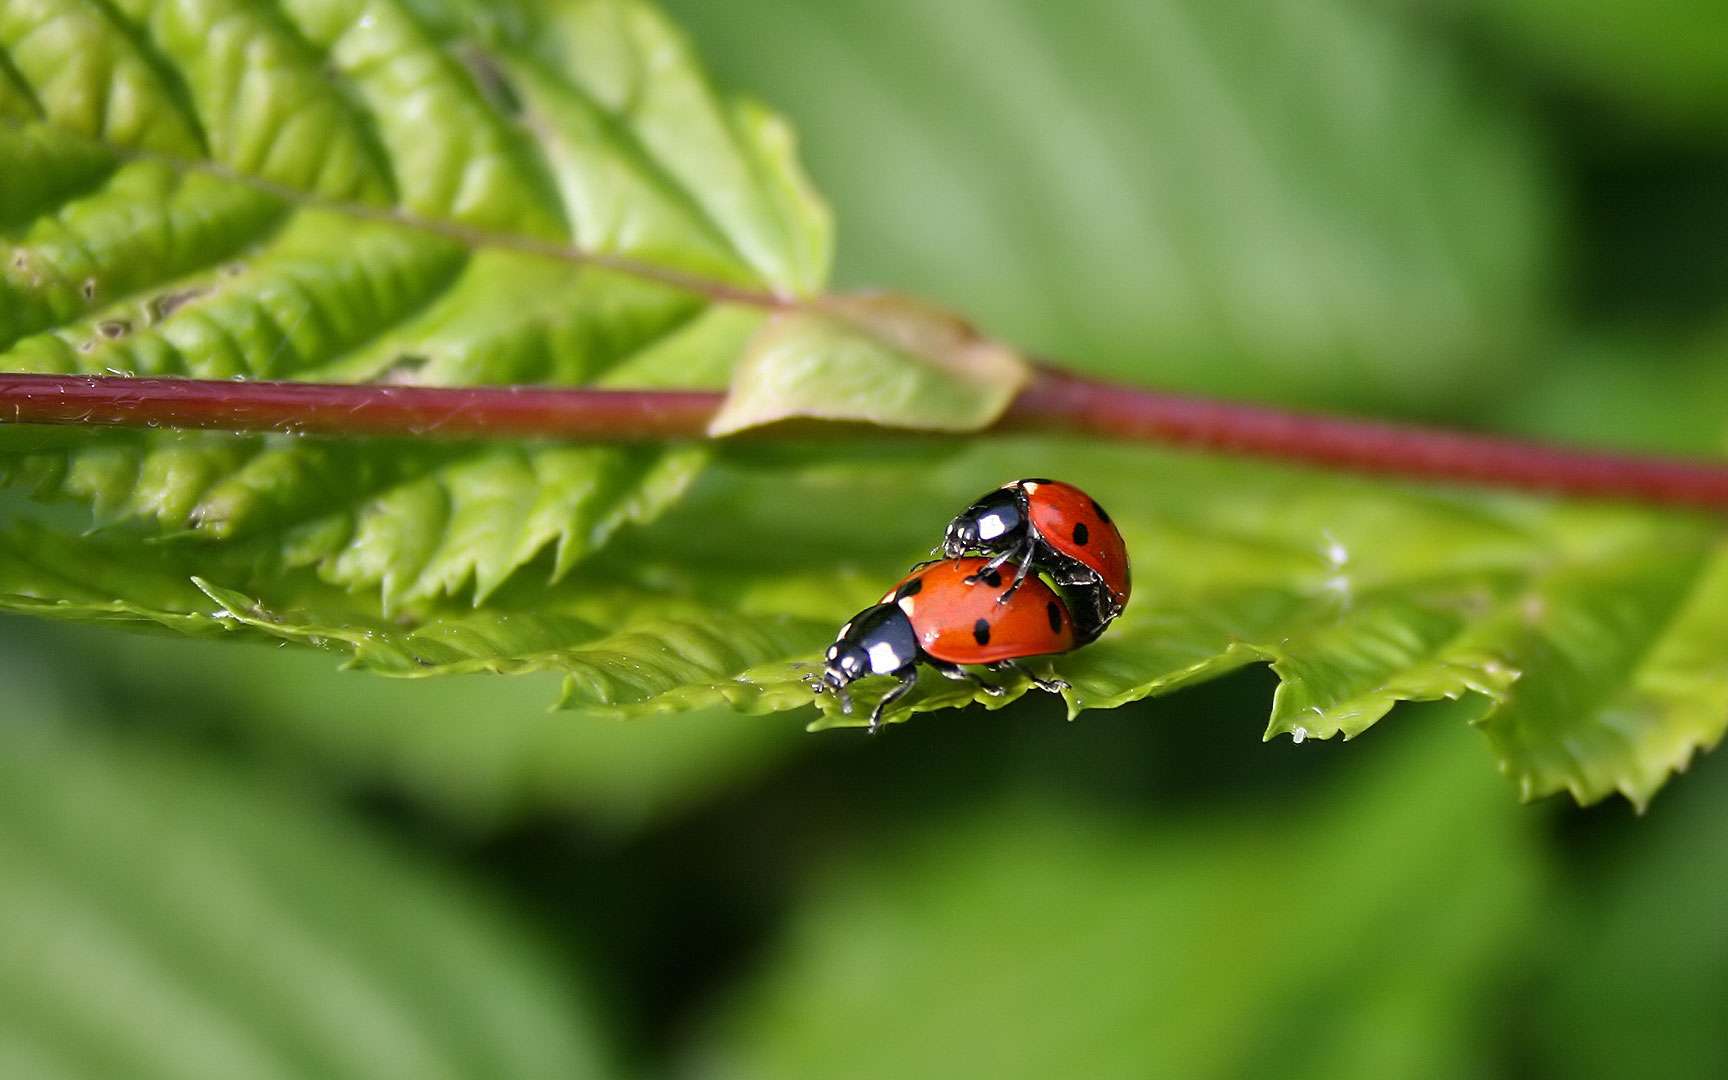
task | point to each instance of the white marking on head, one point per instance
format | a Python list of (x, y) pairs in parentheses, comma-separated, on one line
[(990, 526), (834, 650), (844, 630), (883, 658)]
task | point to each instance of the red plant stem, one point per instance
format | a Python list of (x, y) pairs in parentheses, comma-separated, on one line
[(1054, 402), (341, 409), (1066, 403)]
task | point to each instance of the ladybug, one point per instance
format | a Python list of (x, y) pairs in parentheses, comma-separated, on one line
[(1058, 529), (944, 614)]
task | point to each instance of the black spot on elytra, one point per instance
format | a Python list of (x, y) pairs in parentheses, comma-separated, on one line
[(1081, 535), (991, 578), (1036, 480), (911, 588), (1055, 612), (981, 632), (1099, 510)]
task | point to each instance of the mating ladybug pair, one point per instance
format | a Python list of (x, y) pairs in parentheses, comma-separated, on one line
[(987, 601)]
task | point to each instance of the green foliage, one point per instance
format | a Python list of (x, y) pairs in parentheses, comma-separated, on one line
[(1638, 988), (228, 191), (882, 359), (236, 935), (1291, 200), (1035, 940), (1590, 630), (223, 856), (224, 191), (1663, 57)]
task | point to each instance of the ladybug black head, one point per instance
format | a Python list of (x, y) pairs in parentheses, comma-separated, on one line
[(879, 641), (992, 523), (846, 661)]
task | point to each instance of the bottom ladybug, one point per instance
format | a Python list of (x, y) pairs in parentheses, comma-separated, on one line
[(944, 614)]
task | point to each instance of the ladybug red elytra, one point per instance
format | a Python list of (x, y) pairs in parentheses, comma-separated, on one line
[(944, 614), (1056, 528)]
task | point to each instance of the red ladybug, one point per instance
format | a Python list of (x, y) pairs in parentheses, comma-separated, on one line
[(945, 614), (1058, 529)]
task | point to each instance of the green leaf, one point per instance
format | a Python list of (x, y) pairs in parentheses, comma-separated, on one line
[(624, 647), (1663, 57), (1175, 191), (674, 659), (1604, 394), (226, 191), (161, 918), (880, 359), (1045, 940), (1590, 632)]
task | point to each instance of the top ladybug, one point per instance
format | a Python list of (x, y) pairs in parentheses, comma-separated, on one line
[(1055, 528)]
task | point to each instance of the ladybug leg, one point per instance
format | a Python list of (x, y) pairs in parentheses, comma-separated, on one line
[(993, 564), (1049, 686), (1025, 555), (960, 674), (819, 687), (908, 679)]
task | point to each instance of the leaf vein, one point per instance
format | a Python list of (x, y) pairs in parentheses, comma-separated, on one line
[(145, 46), (471, 236)]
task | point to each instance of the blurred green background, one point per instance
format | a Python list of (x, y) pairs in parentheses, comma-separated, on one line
[(234, 861)]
